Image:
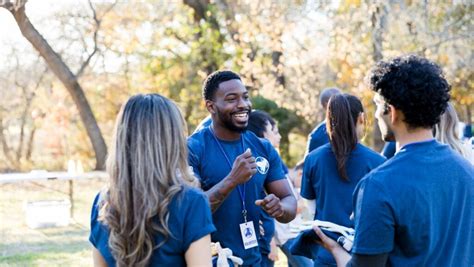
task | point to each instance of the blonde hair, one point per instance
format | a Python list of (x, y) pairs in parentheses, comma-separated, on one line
[(446, 131), (147, 167)]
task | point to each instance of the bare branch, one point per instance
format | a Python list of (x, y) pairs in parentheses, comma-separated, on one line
[(97, 22)]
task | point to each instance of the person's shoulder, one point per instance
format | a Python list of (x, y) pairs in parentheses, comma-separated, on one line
[(384, 173), (319, 129), (99, 198), (375, 178), (198, 138), (320, 151), (191, 193), (461, 162), (369, 153), (199, 134), (190, 197)]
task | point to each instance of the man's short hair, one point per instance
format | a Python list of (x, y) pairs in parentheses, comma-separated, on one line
[(258, 121), (211, 83), (326, 95), (414, 85)]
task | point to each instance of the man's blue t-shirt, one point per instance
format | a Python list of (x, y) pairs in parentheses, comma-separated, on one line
[(318, 137), (189, 220), (389, 149), (210, 166), (333, 195), (204, 123), (418, 207)]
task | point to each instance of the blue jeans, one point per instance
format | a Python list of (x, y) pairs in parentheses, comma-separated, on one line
[(294, 260)]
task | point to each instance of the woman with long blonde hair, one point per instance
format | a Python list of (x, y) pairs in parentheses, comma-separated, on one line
[(446, 133), (150, 214)]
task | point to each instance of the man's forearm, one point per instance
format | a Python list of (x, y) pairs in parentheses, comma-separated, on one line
[(341, 256), (288, 205), (219, 192)]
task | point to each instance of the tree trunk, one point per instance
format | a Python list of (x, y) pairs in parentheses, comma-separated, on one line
[(378, 26), (69, 80), (468, 114)]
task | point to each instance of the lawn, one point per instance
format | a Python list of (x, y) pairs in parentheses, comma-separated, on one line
[(60, 246)]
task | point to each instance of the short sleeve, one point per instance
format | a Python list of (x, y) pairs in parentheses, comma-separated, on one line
[(95, 227), (307, 189), (318, 138), (275, 172), (374, 219), (198, 222)]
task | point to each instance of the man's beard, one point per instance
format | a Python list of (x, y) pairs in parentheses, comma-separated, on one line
[(389, 136), (229, 125)]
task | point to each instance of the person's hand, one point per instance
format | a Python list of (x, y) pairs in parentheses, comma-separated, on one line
[(271, 204), (325, 241), (244, 167), (341, 256), (273, 255)]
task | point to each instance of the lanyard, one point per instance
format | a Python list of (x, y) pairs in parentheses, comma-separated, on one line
[(241, 190)]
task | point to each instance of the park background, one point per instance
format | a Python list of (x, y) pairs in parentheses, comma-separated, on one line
[(60, 93)]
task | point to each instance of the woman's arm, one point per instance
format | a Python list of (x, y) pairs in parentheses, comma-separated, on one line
[(199, 252), (98, 259)]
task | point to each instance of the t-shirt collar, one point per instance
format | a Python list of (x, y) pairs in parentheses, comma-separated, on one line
[(417, 145)]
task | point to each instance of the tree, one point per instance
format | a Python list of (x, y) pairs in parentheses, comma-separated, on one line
[(62, 71), (288, 121)]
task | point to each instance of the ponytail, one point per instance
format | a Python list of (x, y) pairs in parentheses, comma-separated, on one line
[(341, 117)]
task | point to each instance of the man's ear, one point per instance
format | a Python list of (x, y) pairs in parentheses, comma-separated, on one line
[(210, 106), (394, 114), (361, 118)]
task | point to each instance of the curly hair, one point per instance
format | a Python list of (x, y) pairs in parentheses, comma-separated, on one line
[(414, 85), (212, 82)]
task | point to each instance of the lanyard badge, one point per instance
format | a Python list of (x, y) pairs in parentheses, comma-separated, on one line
[(247, 229)]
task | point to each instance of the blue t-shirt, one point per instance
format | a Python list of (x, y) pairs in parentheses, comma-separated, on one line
[(318, 137), (389, 149), (210, 166), (189, 220), (333, 195), (204, 123), (418, 207)]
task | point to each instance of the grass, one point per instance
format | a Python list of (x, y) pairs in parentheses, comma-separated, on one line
[(60, 246)]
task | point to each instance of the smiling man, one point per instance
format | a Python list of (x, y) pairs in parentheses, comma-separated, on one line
[(234, 166)]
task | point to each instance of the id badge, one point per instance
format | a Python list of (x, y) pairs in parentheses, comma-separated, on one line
[(247, 231)]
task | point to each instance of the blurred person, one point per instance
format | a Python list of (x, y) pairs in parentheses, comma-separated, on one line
[(446, 133), (285, 234), (332, 171), (319, 136), (264, 126), (417, 208), (151, 213), (235, 166), (389, 149)]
